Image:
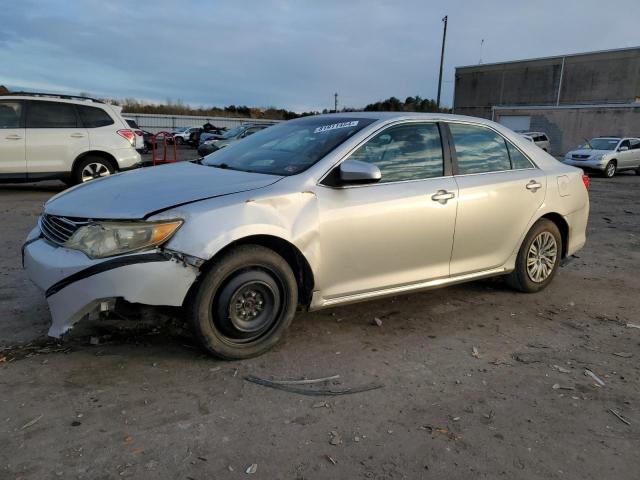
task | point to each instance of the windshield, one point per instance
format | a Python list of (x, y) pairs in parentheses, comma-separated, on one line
[(289, 147), (602, 143)]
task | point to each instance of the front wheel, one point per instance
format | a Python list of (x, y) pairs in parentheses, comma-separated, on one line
[(610, 169), (538, 258), (244, 303), (179, 140)]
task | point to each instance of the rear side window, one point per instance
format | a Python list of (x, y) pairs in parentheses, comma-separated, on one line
[(479, 149), (94, 117), (408, 152), (543, 138), (51, 115), (132, 123), (518, 160), (10, 114)]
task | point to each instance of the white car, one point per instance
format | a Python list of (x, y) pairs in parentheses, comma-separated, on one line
[(139, 134), (312, 213), (74, 139), (607, 155), (539, 138), (181, 135)]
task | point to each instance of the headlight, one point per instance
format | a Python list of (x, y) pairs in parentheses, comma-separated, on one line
[(106, 239), (598, 156)]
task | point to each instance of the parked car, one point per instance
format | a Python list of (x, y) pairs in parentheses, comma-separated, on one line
[(311, 213), (140, 147), (539, 138), (607, 155), (74, 139), (207, 131), (220, 141), (181, 135)]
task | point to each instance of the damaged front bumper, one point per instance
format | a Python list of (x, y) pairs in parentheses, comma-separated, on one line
[(76, 286)]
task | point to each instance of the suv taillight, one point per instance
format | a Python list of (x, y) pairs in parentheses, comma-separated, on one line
[(586, 181), (128, 134)]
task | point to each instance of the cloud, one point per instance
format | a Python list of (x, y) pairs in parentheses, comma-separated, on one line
[(291, 54)]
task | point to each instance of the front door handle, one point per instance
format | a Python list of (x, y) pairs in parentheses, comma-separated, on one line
[(77, 135), (442, 196), (534, 186), (13, 136)]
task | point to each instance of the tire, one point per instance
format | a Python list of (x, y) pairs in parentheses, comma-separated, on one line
[(522, 278), (637, 170), (244, 303), (90, 168), (179, 140), (610, 169)]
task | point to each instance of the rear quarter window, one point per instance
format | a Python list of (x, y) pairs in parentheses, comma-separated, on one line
[(94, 117)]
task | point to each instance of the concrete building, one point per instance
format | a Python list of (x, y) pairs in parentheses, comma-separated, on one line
[(569, 97)]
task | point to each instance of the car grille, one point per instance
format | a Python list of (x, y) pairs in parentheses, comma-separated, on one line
[(580, 156), (59, 229)]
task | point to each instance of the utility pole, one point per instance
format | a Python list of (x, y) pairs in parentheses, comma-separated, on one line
[(335, 102), (444, 38)]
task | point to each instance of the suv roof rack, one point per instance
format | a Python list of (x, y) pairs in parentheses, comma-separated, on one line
[(55, 95)]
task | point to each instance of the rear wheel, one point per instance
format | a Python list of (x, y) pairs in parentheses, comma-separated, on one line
[(179, 140), (610, 169), (538, 258), (244, 303), (90, 168)]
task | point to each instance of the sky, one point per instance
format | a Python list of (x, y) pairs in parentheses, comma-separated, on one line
[(290, 54)]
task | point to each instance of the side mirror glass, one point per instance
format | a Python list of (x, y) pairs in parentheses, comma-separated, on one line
[(354, 172)]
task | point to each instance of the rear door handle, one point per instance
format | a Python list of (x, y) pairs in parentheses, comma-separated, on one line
[(442, 196), (13, 136), (534, 186), (77, 135)]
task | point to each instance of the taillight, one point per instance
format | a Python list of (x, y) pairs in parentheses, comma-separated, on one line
[(128, 134), (586, 181)]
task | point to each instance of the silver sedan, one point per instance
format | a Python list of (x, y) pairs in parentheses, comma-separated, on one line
[(311, 213)]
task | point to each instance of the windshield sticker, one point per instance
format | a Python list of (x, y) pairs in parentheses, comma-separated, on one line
[(333, 126)]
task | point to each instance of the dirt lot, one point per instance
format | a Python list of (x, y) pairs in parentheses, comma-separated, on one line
[(150, 405)]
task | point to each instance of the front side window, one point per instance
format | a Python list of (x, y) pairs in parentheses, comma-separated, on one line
[(289, 147), (625, 143), (93, 117), (10, 114), (407, 152), (51, 115), (479, 149)]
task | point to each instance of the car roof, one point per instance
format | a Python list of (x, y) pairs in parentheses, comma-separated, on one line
[(390, 116), (534, 133)]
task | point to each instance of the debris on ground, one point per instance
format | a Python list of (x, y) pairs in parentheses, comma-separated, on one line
[(620, 417), (328, 457), (561, 369), (377, 322), (597, 379), (475, 352), (335, 439), (633, 325), (311, 391), (320, 405), (31, 423), (306, 381), (526, 357), (623, 354), (251, 469)]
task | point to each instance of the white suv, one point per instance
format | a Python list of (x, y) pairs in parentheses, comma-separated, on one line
[(74, 139)]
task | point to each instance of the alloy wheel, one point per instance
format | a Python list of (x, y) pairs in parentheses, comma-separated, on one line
[(94, 170), (542, 257)]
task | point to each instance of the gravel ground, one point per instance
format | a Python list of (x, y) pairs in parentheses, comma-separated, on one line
[(478, 381)]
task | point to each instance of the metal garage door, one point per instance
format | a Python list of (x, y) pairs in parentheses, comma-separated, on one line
[(517, 123)]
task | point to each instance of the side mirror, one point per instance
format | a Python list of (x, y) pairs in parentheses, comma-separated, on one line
[(623, 149), (354, 172)]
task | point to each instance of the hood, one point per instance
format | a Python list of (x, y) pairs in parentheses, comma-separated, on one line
[(135, 194), (587, 151)]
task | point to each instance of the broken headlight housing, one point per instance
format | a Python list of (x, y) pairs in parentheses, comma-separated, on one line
[(107, 239)]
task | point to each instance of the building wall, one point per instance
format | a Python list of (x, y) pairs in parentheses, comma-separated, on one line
[(590, 78), (157, 123), (567, 127)]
